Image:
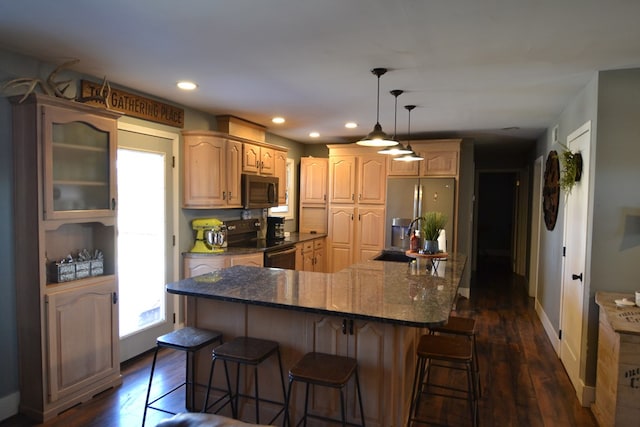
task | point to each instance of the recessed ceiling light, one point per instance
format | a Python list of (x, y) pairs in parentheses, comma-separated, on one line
[(314, 134), (278, 120), (351, 125), (185, 85)]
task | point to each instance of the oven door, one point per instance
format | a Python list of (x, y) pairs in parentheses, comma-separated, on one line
[(281, 258)]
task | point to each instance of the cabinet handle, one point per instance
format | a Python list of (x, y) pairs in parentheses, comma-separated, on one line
[(351, 327), (344, 326), (324, 197), (230, 197), (115, 297), (353, 196), (113, 204), (359, 217), (224, 195), (351, 217), (360, 196)]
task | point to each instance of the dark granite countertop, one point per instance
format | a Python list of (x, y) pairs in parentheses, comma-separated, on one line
[(388, 292)]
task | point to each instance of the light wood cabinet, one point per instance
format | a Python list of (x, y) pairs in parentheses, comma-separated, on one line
[(370, 343), (313, 194), (196, 265), (280, 171), (357, 187), (258, 159), (211, 170), (441, 157), (312, 255), (64, 169)]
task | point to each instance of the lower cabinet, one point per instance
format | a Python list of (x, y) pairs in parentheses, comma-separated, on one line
[(311, 255), (82, 339), (356, 234), (195, 265), (371, 344)]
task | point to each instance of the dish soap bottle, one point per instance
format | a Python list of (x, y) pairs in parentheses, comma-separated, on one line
[(413, 243)]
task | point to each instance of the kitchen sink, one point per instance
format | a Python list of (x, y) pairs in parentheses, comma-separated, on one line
[(393, 256)]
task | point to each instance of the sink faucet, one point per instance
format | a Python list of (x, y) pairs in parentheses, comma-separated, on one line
[(412, 224)]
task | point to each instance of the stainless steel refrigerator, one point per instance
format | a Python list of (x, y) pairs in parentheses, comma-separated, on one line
[(409, 198)]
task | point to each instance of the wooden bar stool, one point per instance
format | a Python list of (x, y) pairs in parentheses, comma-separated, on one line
[(465, 326), (189, 340), (324, 370), (456, 351), (247, 351)]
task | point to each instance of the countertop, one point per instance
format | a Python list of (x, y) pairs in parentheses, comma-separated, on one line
[(260, 245), (623, 320), (389, 292)]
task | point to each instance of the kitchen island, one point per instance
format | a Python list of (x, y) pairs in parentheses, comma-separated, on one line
[(374, 311)]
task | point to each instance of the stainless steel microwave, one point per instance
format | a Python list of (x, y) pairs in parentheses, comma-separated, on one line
[(259, 191)]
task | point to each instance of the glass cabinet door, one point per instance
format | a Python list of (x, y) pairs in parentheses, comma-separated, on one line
[(79, 164)]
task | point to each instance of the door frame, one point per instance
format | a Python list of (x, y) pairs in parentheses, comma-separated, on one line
[(175, 229), (585, 394), (536, 223)]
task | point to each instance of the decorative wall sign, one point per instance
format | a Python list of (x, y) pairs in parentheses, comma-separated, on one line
[(133, 105), (551, 190)]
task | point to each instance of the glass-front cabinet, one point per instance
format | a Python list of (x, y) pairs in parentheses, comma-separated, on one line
[(79, 164)]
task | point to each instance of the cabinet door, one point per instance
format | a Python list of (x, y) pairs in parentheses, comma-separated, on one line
[(79, 164), (341, 221), (204, 176), (319, 251), (233, 174), (299, 256), (313, 180), (196, 266), (267, 161), (250, 158), (307, 256), (439, 163), (82, 329), (280, 171), (342, 178), (372, 179), (398, 168), (256, 260), (370, 232)]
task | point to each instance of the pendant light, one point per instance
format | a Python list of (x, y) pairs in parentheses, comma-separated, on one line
[(377, 138), (412, 156), (399, 149)]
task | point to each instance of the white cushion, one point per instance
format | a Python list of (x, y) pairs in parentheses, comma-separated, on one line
[(202, 420)]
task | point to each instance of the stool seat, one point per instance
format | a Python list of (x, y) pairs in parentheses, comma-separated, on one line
[(323, 369), (327, 370), (457, 325), (445, 348), (245, 350), (189, 340)]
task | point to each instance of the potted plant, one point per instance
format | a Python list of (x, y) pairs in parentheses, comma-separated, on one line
[(571, 164), (431, 224)]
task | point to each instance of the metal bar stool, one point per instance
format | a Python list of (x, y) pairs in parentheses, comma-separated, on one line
[(189, 340), (465, 326), (246, 351), (455, 351), (325, 370)]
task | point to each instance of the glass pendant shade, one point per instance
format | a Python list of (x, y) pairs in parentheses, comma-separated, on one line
[(377, 137)]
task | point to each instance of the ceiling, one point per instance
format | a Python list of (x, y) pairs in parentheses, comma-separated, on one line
[(490, 69)]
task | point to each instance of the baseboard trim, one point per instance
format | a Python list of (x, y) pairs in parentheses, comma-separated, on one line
[(548, 327), (9, 405)]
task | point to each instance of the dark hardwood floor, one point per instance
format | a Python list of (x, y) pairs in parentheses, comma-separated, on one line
[(523, 381)]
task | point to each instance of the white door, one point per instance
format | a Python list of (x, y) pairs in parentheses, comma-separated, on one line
[(145, 238), (574, 277)]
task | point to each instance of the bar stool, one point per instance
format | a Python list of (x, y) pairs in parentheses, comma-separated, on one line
[(246, 351), (457, 353), (465, 326), (325, 370), (189, 340)]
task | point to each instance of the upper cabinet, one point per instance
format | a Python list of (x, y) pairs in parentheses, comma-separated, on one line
[(212, 169), (441, 159), (258, 159), (358, 178), (313, 194), (79, 164), (280, 171)]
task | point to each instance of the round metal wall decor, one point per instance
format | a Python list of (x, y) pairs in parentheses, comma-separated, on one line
[(551, 190)]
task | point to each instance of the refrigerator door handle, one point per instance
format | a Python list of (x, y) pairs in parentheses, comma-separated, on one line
[(416, 200), (420, 193)]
